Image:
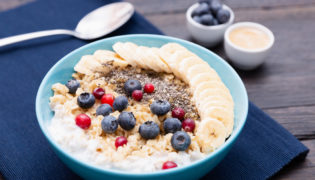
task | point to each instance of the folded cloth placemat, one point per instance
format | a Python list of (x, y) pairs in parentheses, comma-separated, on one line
[(262, 149)]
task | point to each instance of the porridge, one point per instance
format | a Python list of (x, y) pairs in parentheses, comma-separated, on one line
[(141, 109)]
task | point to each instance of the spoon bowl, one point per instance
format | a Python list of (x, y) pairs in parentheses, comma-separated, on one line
[(95, 24)]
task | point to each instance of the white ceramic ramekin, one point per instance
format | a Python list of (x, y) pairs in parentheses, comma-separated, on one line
[(208, 36), (247, 59)]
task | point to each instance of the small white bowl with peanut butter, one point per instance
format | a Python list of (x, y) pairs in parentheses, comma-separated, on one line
[(247, 44)]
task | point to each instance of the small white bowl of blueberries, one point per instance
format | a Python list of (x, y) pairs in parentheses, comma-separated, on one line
[(207, 21)]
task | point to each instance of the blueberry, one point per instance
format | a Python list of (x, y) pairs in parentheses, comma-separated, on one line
[(207, 19), (127, 120), (149, 130), (223, 16), (109, 124), (132, 85), (197, 19), (73, 85), (120, 103), (180, 141), (104, 109), (160, 107), (86, 100), (204, 1), (215, 5), (215, 21), (203, 8), (172, 125)]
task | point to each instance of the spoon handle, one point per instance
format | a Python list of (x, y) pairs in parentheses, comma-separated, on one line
[(33, 35)]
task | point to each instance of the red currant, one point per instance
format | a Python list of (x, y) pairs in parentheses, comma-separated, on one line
[(98, 93), (137, 95), (120, 141), (148, 88), (83, 121), (178, 113), (169, 165), (188, 125), (108, 99)]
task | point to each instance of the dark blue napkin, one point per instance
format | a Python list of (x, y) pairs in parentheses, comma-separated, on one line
[(262, 149)]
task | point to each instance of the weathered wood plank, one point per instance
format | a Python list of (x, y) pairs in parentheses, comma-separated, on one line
[(300, 170), (298, 120), (166, 6), (286, 78)]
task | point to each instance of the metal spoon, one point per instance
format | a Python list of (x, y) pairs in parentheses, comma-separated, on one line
[(97, 23)]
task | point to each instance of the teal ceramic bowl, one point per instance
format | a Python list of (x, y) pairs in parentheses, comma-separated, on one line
[(63, 69)]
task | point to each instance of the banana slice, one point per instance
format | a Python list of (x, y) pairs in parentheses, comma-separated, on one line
[(104, 56), (148, 60), (158, 60), (210, 134), (194, 81), (222, 100), (216, 103), (175, 60), (131, 48), (212, 92), (187, 63), (89, 65), (171, 48), (125, 54), (139, 53), (212, 84), (220, 113)]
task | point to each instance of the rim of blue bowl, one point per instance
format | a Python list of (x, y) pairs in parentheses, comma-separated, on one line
[(230, 140)]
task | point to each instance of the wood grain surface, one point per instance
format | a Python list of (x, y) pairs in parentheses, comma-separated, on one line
[(284, 86)]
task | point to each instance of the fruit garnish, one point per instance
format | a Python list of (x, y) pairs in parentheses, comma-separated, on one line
[(178, 113), (120, 103), (98, 92), (180, 141), (169, 165), (73, 85), (171, 125), (120, 141), (108, 99), (188, 125), (126, 120), (104, 110), (86, 100), (83, 121), (137, 95), (148, 88), (160, 107), (109, 124), (149, 130), (132, 85)]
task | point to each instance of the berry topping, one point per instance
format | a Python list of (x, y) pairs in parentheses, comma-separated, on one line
[(109, 124), (120, 141), (137, 95), (132, 85), (148, 88), (104, 109), (127, 120), (86, 100), (215, 5), (203, 8), (223, 16), (120, 103), (207, 19), (160, 107), (108, 99), (73, 85), (197, 19), (149, 130), (188, 125), (169, 165), (180, 141), (178, 113), (83, 121), (171, 125), (98, 93)]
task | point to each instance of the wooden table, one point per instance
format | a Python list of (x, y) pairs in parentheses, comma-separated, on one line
[(284, 86)]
